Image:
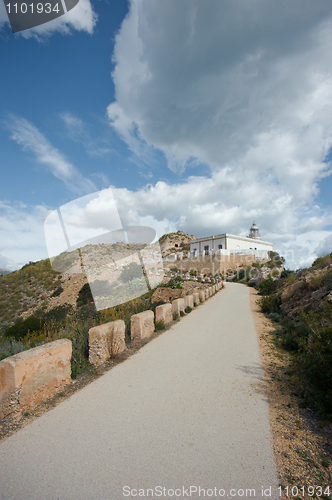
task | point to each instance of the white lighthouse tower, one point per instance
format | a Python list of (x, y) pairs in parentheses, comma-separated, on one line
[(254, 232)]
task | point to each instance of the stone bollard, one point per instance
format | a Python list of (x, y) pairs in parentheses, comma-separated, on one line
[(189, 301), (164, 313), (196, 298), (177, 306), (105, 341), (30, 377), (142, 325), (202, 296)]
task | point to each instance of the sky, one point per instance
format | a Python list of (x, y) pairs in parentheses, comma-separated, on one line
[(192, 115)]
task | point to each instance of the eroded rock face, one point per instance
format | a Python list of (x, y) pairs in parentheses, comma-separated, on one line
[(196, 298), (142, 325), (29, 377), (106, 341)]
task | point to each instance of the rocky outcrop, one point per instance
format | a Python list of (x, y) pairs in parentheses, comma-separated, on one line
[(175, 242)]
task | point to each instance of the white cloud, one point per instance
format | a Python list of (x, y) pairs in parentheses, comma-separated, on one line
[(325, 246), (31, 139), (81, 18), (74, 126), (245, 88), (22, 233)]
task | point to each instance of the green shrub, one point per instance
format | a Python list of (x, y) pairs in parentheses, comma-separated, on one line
[(322, 261), (20, 330), (265, 287), (188, 309), (59, 313), (84, 295), (159, 325), (175, 284), (9, 348), (195, 304), (269, 304), (286, 273), (275, 317), (57, 292), (181, 313), (175, 316)]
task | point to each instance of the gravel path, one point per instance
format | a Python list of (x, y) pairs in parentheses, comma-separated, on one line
[(187, 411)]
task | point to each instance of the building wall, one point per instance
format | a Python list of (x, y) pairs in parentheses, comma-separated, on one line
[(228, 242)]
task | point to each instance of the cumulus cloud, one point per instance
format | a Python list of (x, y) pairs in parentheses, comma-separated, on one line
[(31, 139), (81, 18), (245, 88)]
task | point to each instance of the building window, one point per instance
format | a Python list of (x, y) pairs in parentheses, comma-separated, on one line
[(206, 250), (220, 247)]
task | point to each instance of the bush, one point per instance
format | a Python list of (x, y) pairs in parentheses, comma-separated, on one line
[(59, 313), (84, 295), (20, 330), (269, 304), (175, 316), (9, 348), (57, 292), (286, 273), (265, 286), (80, 354), (159, 325), (181, 313), (322, 261), (275, 317), (175, 284), (188, 309)]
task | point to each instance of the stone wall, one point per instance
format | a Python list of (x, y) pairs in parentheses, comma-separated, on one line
[(213, 264), (32, 376)]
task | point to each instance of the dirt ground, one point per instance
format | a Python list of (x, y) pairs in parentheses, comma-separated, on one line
[(302, 442)]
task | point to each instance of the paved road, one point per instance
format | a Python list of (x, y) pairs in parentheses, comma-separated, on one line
[(186, 411)]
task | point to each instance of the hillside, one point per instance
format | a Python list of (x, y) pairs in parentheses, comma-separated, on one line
[(41, 291), (300, 303)]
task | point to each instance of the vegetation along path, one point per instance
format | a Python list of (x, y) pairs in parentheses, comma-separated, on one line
[(185, 412)]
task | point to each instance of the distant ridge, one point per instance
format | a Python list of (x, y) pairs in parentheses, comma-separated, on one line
[(4, 271)]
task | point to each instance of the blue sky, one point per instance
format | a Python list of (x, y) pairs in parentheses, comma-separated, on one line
[(196, 116)]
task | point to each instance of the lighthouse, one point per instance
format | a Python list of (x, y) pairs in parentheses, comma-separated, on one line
[(254, 232)]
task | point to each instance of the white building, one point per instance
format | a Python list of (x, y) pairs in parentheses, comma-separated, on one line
[(226, 244)]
